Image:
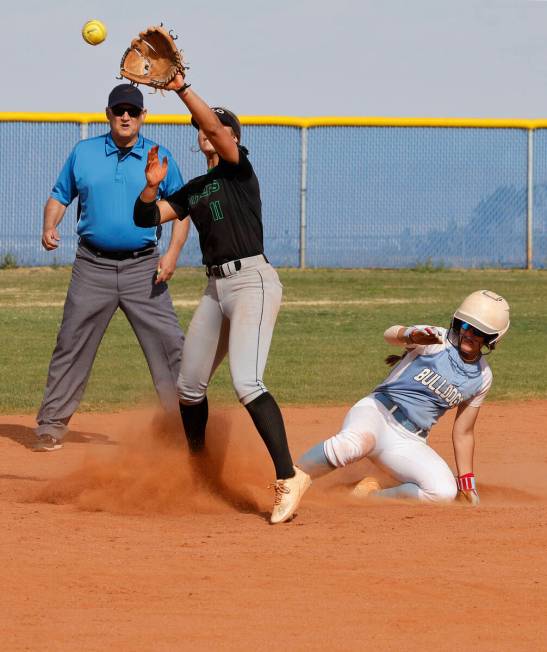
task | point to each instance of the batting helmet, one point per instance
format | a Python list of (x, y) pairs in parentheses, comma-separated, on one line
[(487, 312)]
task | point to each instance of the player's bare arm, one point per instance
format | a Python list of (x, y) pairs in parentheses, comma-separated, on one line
[(168, 262), (463, 439), (411, 335), (220, 136), (54, 212)]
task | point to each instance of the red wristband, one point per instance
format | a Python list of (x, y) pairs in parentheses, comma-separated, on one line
[(466, 482)]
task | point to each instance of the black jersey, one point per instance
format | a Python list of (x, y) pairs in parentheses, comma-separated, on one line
[(225, 206)]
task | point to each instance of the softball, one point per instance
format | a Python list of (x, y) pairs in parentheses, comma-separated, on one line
[(94, 32)]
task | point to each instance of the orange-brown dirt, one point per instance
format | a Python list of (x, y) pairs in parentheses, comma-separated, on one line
[(118, 542)]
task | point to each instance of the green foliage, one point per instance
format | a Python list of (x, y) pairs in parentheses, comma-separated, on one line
[(327, 347), (8, 261), (428, 266)]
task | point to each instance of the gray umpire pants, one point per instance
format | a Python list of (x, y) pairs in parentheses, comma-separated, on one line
[(97, 288), (236, 316)]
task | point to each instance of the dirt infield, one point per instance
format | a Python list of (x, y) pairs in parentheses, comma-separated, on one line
[(117, 542)]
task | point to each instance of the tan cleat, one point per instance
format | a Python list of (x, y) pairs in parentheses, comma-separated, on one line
[(365, 488), (288, 494)]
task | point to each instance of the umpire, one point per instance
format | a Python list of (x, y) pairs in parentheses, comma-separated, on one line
[(117, 264)]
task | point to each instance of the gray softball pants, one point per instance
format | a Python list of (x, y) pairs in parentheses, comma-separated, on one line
[(236, 316), (97, 288)]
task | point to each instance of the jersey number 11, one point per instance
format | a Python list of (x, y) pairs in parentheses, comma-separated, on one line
[(216, 210)]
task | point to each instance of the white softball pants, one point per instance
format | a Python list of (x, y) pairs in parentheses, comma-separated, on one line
[(370, 430)]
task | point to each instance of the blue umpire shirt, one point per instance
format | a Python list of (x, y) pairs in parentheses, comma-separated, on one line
[(108, 184)]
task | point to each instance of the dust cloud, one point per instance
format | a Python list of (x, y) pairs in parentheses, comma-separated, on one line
[(150, 471)]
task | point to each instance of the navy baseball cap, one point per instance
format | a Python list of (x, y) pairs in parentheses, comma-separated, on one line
[(126, 94), (226, 118)]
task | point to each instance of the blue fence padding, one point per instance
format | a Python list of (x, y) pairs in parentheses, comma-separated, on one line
[(398, 197), (376, 196), (275, 153), (539, 256), (31, 155)]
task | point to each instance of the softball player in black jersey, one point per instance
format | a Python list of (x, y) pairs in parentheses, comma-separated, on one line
[(237, 313)]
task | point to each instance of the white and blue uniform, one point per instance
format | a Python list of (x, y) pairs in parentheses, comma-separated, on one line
[(431, 379), (391, 425)]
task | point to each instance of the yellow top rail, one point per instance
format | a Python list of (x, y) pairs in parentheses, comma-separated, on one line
[(295, 121)]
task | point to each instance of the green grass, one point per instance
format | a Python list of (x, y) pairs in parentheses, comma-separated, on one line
[(324, 351)]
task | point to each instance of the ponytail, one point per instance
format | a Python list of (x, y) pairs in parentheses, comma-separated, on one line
[(392, 360)]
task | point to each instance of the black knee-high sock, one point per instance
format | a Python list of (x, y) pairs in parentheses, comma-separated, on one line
[(267, 418), (194, 420)]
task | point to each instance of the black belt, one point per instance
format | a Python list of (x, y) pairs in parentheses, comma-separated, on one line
[(227, 269), (118, 254), (400, 416), (218, 271)]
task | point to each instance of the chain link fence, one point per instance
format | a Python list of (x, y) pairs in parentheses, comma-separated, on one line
[(334, 195)]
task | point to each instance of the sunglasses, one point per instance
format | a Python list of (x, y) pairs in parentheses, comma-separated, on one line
[(471, 329), (120, 109)]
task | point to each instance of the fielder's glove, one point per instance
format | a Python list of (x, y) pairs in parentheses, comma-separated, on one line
[(468, 489), (152, 59)]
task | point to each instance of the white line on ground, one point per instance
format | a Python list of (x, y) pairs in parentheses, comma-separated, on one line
[(192, 303)]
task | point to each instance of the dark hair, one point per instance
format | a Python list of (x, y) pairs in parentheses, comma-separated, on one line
[(227, 118)]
